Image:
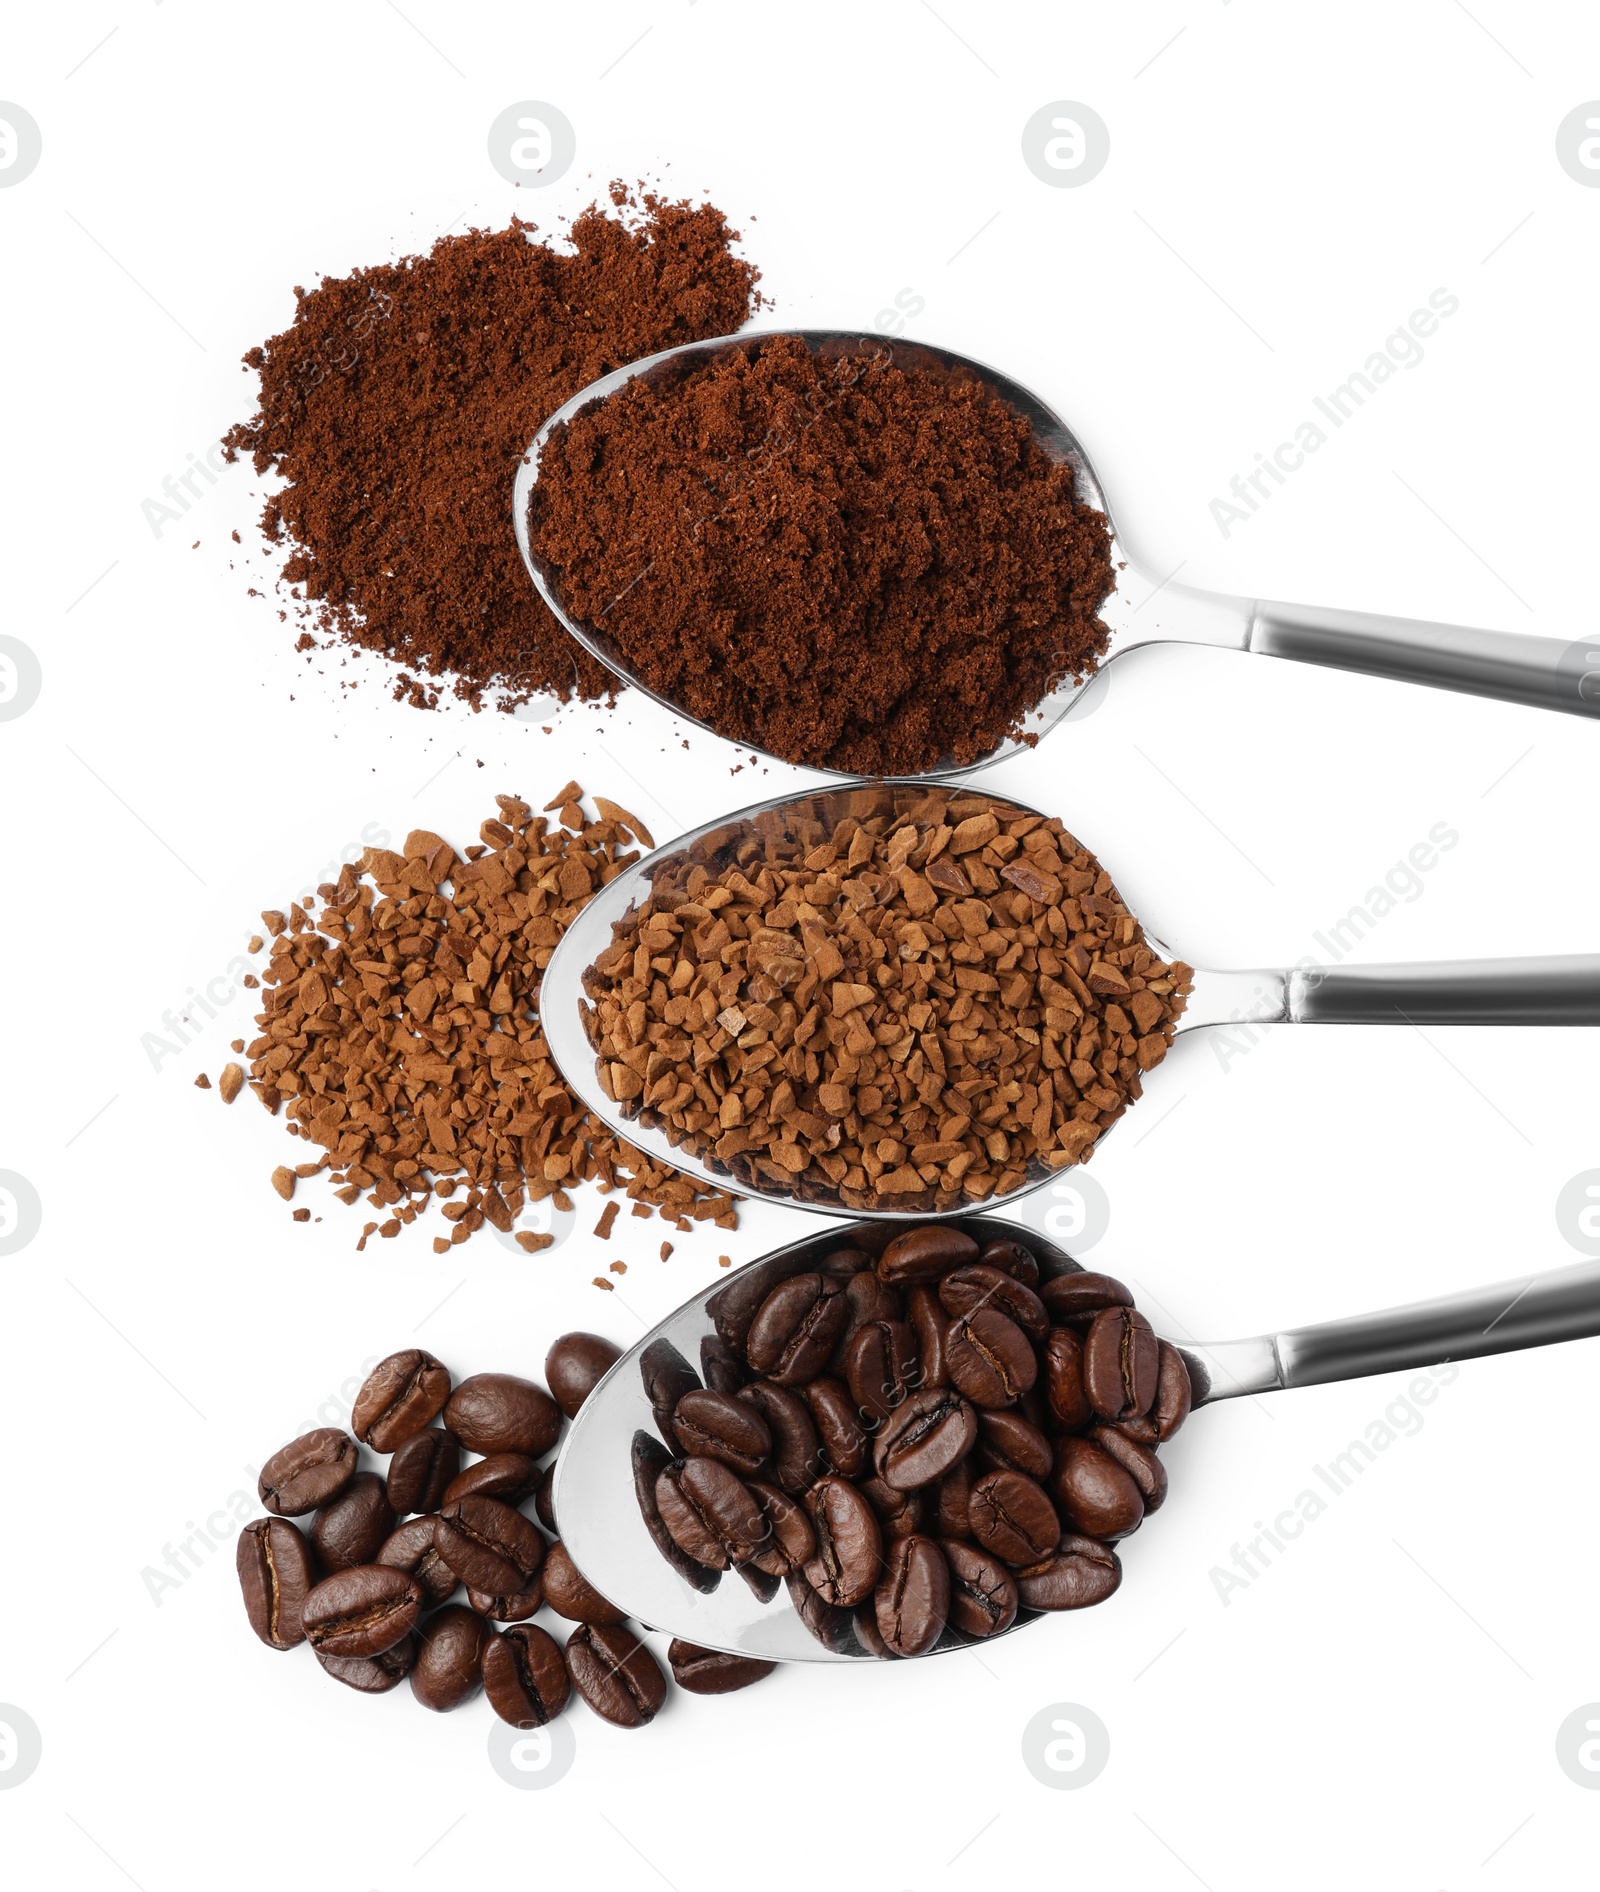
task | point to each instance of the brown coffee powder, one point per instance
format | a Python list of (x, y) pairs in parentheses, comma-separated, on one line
[(400, 1029), (399, 402), (908, 1007), (846, 561)]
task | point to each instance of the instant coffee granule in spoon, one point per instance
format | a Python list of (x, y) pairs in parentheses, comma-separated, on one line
[(401, 1035), (910, 1011), (397, 406)]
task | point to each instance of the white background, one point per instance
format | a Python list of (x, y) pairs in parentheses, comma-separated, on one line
[(1285, 185)]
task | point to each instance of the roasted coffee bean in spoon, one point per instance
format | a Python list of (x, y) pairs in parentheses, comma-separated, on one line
[(1097, 1497), (1078, 1574), (795, 1329), (912, 1599), (964, 1290), (849, 1556), (715, 1425), (989, 1358), (796, 1450), (1012, 1517), (924, 1437), (667, 1376), (650, 1460), (983, 1593), (710, 1513)]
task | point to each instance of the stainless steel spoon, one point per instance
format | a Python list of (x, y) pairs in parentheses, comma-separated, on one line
[(1546, 672), (1535, 991), (599, 1518)]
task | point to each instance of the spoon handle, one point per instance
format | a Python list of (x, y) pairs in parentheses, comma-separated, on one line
[(1544, 672), (1536, 1311), (1557, 990)]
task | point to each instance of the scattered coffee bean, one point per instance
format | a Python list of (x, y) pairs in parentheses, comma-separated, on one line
[(575, 1365), (569, 1593), (615, 1674), (373, 1675), (421, 1470), (361, 1612), (401, 1395), (410, 1548), (1082, 1572), (277, 1572), (449, 1665), (525, 1677), (511, 1476), (351, 1529), (541, 1499), (488, 1544), (498, 1412), (509, 1609), (299, 1477), (713, 1671)]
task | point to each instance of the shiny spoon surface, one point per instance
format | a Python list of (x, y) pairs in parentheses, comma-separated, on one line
[(1546, 672), (599, 1520), (1556, 990)]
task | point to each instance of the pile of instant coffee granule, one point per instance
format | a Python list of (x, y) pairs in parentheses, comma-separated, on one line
[(401, 1031), (884, 999), (860, 561), (399, 403)]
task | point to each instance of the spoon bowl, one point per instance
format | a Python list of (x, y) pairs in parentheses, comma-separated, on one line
[(1144, 608)]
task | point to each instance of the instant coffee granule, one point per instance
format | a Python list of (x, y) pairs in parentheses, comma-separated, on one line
[(401, 1030), (919, 1002), (859, 561), (399, 402)]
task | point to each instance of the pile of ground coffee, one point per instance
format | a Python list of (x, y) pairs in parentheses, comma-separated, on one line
[(913, 1004), (401, 1031), (399, 402), (846, 562)]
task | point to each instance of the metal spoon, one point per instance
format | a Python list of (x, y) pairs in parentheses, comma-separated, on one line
[(1534, 991), (1546, 672), (599, 1518)]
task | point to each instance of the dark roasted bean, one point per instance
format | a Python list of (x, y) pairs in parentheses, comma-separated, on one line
[(713, 1671), (796, 1449), (929, 1324), (989, 1357), (882, 1367), (350, 1530), (570, 1593), (912, 1599), (866, 1298), (1096, 1496), (277, 1572), (361, 1612), (410, 1548), (421, 1470), (509, 1476), (1121, 1364), (864, 1620), (1007, 1442), (965, 1290), (790, 1541), (575, 1366), (667, 1376), (950, 1499), (842, 1263), (762, 1586), (923, 1438), (1013, 1259), (615, 1674), (710, 1513), (844, 1442), (1174, 1395), (795, 1328), (650, 1460), (849, 1555), (716, 1425), (400, 1396), (1082, 1572), (983, 1594), (1012, 1517), (1138, 1461), (720, 1367), (489, 1545), (311, 1471), (373, 1675), (1074, 1299), (734, 1305), (898, 1512), (541, 1500), (831, 1625), (449, 1665), (1063, 1380), (509, 1609), (924, 1254), (525, 1677), (498, 1412)]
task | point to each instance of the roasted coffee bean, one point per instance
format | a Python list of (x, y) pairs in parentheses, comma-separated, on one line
[(1074, 1299), (449, 1665), (882, 1367), (410, 1548), (842, 1263), (311, 1471), (373, 1675), (1007, 1442), (525, 1677), (710, 1513), (1121, 1364), (734, 1305), (1138, 1461), (844, 1443), (790, 1542), (1013, 1259), (509, 1476), (361, 1612), (667, 1376), (489, 1545), (650, 1460), (795, 1328), (570, 1593), (498, 1412), (898, 1512), (796, 1449), (713, 1671), (866, 1298), (760, 1585), (849, 1555), (400, 1396), (421, 1469), (615, 1674), (983, 1594), (715, 1425), (965, 1290), (990, 1359), (1012, 1517), (929, 1324), (1082, 1572), (1174, 1394), (720, 1367), (864, 1622), (1063, 1380), (350, 1530), (923, 1438), (509, 1609), (541, 1499), (912, 1599), (277, 1572), (1096, 1496), (575, 1366), (949, 1502), (831, 1626), (924, 1254)]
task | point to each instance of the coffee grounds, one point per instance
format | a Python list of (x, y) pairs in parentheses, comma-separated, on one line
[(923, 1004), (847, 562), (401, 1031), (400, 401)]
